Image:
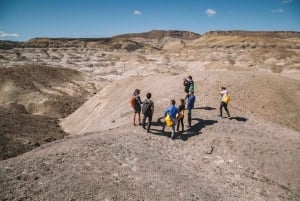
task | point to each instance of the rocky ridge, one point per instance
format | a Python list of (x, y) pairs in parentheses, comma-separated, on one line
[(276, 52), (281, 34)]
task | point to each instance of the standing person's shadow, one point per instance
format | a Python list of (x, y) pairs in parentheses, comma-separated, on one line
[(204, 108), (195, 129), (238, 118), (158, 123)]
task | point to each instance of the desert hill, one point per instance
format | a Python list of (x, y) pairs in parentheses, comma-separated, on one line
[(32, 99), (277, 52), (79, 89)]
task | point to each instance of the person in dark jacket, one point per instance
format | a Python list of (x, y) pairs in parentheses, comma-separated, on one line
[(190, 106), (147, 110), (180, 118)]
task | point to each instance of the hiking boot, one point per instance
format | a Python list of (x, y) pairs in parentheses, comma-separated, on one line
[(173, 137)]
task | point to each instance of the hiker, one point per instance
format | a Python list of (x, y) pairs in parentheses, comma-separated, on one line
[(190, 106), (147, 110), (188, 85), (225, 99), (171, 112), (136, 104), (180, 118)]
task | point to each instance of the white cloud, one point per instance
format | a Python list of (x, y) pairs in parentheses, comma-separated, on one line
[(287, 1), (3, 34), (210, 12), (137, 12), (278, 10)]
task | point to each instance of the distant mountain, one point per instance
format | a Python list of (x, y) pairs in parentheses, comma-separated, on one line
[(158, 34), (82, 42), (283, 34), (154, 38)]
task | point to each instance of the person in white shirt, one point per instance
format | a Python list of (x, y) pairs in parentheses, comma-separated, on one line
[(224, 93)]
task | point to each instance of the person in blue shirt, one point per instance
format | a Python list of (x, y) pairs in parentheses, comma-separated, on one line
[(190, 105), (172, 110)]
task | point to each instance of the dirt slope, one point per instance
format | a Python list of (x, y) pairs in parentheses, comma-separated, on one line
[(247, 157), (217, 159), (32, 99), (268, 96)]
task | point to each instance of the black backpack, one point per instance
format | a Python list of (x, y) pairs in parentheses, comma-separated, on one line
[(147, 106)]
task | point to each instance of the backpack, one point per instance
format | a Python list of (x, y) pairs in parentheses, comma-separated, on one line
[(186, 85), (180, 115), (191, 86), (146, 109), (226, 99), (168, 120), (132, 101)]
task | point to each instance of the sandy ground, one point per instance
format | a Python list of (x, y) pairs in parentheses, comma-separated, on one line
[(254, 155)]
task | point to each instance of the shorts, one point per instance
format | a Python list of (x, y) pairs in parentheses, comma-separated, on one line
[(137, 109)]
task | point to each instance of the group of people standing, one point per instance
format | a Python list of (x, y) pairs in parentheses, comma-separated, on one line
[(174, 116)]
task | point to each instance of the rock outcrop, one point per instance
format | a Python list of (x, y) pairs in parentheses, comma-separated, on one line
[(84, 42), (281, 34)]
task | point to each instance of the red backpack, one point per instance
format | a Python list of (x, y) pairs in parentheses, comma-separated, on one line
[(132, 101)]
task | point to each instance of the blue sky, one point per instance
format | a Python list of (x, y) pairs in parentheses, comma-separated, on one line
[(21, 20)]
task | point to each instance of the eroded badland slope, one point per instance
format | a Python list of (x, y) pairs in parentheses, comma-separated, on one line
[(254, 155)]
